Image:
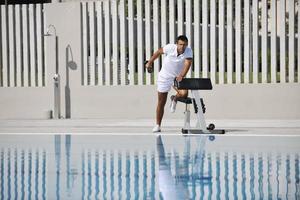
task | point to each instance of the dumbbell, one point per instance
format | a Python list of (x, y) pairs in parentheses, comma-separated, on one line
[(149, 69)]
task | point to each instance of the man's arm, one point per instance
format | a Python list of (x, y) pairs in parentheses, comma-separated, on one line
[(159, 52), (187, 65)]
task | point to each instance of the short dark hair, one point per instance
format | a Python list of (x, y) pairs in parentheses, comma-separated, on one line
[(182, 38)]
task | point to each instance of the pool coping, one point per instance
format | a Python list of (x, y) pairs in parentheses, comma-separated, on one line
[(144, 126)]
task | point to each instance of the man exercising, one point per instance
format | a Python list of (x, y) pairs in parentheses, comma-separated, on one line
[(176, 64)]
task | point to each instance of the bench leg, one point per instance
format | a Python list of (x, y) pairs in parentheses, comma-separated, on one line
[(201, 124), (187, 119)]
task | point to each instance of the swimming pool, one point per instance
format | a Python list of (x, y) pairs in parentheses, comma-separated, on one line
[(149, 167)]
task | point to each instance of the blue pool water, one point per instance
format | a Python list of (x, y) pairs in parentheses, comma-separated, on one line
[(149, 167)]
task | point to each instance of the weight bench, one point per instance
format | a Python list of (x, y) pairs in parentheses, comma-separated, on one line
[(195, 84)]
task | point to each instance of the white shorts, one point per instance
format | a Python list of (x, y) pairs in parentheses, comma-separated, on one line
[(164, 84)]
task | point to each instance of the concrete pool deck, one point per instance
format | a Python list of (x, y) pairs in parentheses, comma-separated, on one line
[(144, 126)]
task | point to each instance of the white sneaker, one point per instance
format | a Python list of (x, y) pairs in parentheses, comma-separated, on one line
[(173, 106), (156, 128)]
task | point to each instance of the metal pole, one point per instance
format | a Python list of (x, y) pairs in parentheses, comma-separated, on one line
[(56, 79)]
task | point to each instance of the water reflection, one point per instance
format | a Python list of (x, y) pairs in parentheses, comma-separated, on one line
[(2, 174), (297, 177), (57, 147), (189, 175), (117, 174), (172, 167), (168, 186), (200, 174)]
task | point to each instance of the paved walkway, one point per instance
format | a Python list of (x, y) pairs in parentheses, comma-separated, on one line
[(144, 126)]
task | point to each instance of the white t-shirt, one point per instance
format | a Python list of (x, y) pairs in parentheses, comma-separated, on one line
[(172, 63)]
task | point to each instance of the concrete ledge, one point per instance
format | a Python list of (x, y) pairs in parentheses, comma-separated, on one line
[(25, 103), (144, 126), (247, 101), (254, 101)]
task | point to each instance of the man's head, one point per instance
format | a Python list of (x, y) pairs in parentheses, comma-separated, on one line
[(181, 42)]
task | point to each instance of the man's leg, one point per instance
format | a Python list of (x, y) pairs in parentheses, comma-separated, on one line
[(179, 94), (182, 94), (162, 99)]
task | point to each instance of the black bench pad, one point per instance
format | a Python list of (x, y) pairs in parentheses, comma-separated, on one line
[(193, 84)]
